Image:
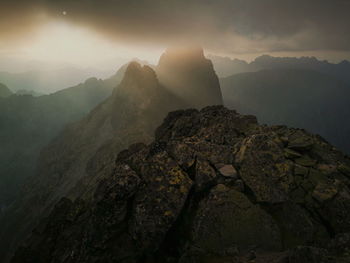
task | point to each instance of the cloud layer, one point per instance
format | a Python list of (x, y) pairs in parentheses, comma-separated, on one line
[(239, 26)]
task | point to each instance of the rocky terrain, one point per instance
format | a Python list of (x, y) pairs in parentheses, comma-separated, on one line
[(73, 162), (214, 186)]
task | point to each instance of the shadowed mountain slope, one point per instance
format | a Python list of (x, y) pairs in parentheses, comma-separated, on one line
[(28, 123), (299, 98)]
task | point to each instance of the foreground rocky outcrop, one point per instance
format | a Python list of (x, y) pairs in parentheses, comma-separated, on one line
[(214, 186)]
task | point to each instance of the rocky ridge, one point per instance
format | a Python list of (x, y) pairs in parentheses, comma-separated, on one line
[(214, 186)]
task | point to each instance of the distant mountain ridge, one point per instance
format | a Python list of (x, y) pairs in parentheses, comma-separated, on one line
[(45, 82), (226, 66), (300, 98)]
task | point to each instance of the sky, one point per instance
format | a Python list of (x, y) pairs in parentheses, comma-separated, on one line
[(99, 32)]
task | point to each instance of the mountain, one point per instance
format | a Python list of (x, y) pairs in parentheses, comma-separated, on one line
[(188, 74), (70, 165), (214, 186), (4, 91), (28, 123), (300, 98), (46, 82), (226, 66)]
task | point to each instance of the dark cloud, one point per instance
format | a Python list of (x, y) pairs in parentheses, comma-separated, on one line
[(226, 25)]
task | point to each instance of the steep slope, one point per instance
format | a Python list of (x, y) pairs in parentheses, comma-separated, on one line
[(70, 162), (299, 98), (189, 75), (226, 67), (213, 187), (28, 123), (4, 91)]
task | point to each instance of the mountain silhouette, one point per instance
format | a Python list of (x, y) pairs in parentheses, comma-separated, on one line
[(226, 66)]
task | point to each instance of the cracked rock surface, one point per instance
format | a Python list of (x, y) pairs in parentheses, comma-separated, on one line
[(214, 186)]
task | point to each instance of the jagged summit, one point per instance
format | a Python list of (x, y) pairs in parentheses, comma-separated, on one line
[(134, 68), (214, 186), (188, 74), (138, 77)]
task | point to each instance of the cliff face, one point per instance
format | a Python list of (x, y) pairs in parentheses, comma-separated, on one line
[(214, 186), (189, 75)]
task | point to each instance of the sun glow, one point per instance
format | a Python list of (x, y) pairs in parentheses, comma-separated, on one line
[(63, 42)]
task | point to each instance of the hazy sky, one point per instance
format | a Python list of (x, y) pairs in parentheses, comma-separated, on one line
[(86, 31)]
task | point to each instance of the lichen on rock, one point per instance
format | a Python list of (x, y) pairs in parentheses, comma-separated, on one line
[(214, 186)]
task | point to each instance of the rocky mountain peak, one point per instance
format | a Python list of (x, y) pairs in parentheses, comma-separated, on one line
[(138, 78), (188, 74), (214, 186)]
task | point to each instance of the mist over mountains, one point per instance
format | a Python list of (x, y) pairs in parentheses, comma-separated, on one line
[(117, 149), (64, 146), (46, 82), (225, 67), (69, 164), (29, 123)]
